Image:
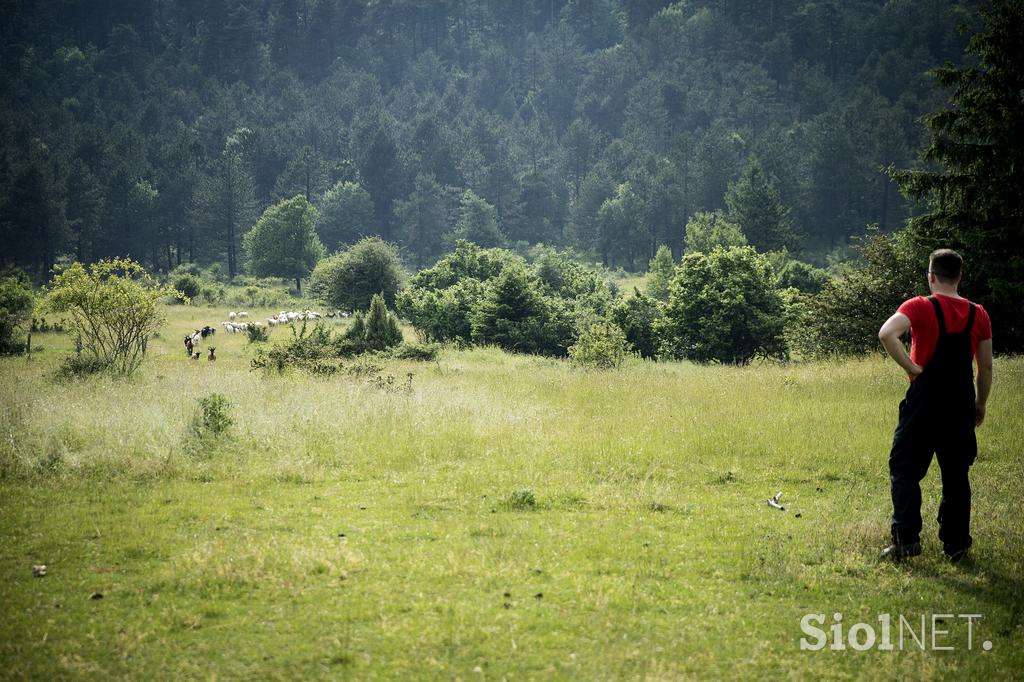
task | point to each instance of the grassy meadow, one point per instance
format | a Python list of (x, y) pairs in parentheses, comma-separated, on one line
[(481, 517)]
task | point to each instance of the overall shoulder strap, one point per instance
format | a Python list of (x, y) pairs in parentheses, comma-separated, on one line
[(938, 314), (970, 319)]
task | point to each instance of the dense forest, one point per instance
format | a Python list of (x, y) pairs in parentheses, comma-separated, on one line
[(161, 129)]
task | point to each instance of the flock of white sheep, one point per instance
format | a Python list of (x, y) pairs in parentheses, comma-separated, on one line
[(284, 317)]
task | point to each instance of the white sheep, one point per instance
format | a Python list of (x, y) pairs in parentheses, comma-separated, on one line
[(271, 321), (232, 315), (243, 314), (229, 328)]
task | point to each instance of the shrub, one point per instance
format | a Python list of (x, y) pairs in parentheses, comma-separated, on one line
[(212, 417), (723, 306), (349, 280), (844, 317), (80, 366), (378, 330), (210, 295), (257, 332), (522, 500), (423, 352), (16, 300), (637, 317), (442, 315), (114, 308), (513, 315), (794, 274), (440, 299), (312, 349), (601, 345), (382, 330), (189, 285)]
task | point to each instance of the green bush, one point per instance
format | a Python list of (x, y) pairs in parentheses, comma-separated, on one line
[(257, 332), (723, 307), (80, 366), (210, 295), (844, 317), (423, 352), (521, 500), (113, 308), (795, 274), (212, 417), (601, 345), (512, 314), (350, 279), (187, 284), (311, 348), (377, 330), (382, 330), (16, 301), (637, 317)]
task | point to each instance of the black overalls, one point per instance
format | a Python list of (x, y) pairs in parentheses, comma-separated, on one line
[(937, 416)]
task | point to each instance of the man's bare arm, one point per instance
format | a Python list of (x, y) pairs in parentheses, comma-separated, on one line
[(890, 333), (984, 380)]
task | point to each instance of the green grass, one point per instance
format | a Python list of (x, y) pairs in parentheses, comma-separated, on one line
[(506, 517)]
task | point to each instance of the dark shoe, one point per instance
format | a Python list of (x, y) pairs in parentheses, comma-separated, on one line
[(957, 555), (895, 552)]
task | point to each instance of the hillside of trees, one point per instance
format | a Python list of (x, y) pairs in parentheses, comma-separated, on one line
[(162, 129)]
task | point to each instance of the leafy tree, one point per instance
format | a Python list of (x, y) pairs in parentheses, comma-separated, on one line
[(113, 307), (283, 242), (478, 222), (442, 315), (638, 317), (587, 294), (844, 317), (708, 230), (16, 300), (796, 274), (440, 299), (723, 307), (350, 279), (660, 271), (346, 215), (755, 206), (623, 235), (974, 200), (188, 284)]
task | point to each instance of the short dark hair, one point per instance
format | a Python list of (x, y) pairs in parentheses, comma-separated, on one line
[(946, 265)]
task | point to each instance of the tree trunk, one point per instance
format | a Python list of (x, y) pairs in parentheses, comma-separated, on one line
[(298, 285)]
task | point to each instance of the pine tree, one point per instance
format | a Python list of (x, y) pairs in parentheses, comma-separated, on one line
[(754, 205), (974, 202)]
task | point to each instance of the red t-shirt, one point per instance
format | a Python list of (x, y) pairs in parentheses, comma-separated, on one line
[(924, 326)]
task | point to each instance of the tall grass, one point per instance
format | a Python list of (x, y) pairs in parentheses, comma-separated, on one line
[(337, 527)]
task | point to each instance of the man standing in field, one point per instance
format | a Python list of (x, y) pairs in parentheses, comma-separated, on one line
[(941, 409)]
